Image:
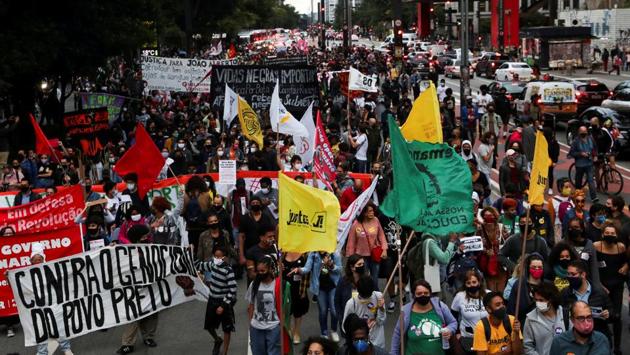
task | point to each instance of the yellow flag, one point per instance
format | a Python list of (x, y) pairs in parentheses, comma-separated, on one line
[(250, 126), (424, 123), (540, 171), (308, 217)]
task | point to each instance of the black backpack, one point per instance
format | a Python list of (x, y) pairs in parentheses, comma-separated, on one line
[(193, 214), (486, 326)]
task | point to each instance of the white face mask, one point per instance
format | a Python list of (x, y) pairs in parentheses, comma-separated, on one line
[(217, 261), (298, 166), (181, 145), (220, 153), (252, 149), (164, 155), (136, 217), (542, 306), (265, 190), (131, 186)]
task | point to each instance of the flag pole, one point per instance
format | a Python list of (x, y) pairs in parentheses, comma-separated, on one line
[(401, 290), (398, 264), (281, 315), (521, 263)]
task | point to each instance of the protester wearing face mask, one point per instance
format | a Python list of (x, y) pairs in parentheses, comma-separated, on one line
[(368, 304), (132, 198), (531, 277), (544, 322), (215, 235), (139, 234), (132, 218), (26, 195), (556, 268), (467, 152), (581, 339), (583, 150), (365, 236), (222, 297), (45, 172), (350, 194), (357, 340), (252, 225), (582, 289), (511, 173), (347, 286), (511, 251), (225, 221), (598, 216), (468, 307), (264, 302), (163, 220), (266, 246), (499, 333), (613, 271), (561, 203), (269, 197), (95, 235), (89, 194), (583, 247)]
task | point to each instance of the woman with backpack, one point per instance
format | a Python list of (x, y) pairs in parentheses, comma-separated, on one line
[(163, 225), (427, 322), (467, 306), (493, 236), (197, 202)]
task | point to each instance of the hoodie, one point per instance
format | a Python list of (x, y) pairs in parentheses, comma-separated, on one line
[(539, 331)]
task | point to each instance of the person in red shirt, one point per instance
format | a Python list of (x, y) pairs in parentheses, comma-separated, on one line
[(350, 194)]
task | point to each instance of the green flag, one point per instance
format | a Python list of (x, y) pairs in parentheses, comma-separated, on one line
[(432, 187), (286, 311)]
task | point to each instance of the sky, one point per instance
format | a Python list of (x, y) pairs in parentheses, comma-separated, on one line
[(302, 6)]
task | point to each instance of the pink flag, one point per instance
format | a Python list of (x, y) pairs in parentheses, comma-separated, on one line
[(323, 159)]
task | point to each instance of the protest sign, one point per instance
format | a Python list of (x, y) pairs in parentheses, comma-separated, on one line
[(86, 122), (472, 244), (255, 84), (114, 103), (227, 172), (323, 158), (101, 289), (51, 212), (15, 252), (176, 74), (295, 60), (351, 213)]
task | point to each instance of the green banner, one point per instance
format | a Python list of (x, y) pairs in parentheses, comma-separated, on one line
[(432, 187)]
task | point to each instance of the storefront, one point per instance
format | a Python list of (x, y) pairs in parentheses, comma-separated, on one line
[(557, 47)]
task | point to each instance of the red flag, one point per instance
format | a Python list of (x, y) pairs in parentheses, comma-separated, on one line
[(42, 144), (323, 158), (143, 158), (232, 51)]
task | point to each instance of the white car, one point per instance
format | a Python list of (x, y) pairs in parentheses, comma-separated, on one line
[(452, 69), (506, 71)]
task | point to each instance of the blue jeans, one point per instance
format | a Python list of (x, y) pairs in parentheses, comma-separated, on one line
[(64, 345), (360, 166), (373, 267), (265, 342), (579, 175), (326, 302)]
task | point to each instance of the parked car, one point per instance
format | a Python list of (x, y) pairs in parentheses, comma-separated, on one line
[(590, 92), (453, 70), (620, 121), (489, 63), (622, 91), (507, 70), (556, 98), (514, 91)]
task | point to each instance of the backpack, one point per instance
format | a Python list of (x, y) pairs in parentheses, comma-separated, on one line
[(458, 267), (193, 213), (486, 326)]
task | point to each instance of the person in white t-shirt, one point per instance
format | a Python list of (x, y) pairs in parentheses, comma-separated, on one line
[(468, 308), (483, 99), (360, 143), (441, 90)]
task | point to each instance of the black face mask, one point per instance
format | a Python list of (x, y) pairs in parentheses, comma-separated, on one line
[(499, 313), (564, 263), (466, 151), (256, 208), (213, 225), (422, 300), (610, 239), (359, 269), (92, 231), (472, 289), (24, 188), (530, 227), (218, 208), (262, 277), (88, 188)]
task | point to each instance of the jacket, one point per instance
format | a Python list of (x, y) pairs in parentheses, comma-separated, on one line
[(484, 123), (18, 198), (343, 292), (440, 308), (415, 256), (597, 298), (314, 267), (578, 147), (565, 344), (537, 336)]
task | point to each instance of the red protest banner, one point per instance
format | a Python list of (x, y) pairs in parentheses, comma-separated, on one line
[(51, 212), (323, 159), (15, 252)]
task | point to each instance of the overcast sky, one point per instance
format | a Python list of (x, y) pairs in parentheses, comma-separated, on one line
[(302, 6)]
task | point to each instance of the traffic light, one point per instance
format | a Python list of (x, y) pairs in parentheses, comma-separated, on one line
[(398, 34)]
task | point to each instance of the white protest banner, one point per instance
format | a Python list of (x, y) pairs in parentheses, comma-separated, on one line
[(472, 244), (305, 146), (359, 81), (101, 289), (227, 172), (349, 215), (176, 74)]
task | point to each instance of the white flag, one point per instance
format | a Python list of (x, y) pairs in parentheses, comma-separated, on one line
[(361, 82), (282, 121), (230, 105), (216, 50), (305, 146), (349, 215)]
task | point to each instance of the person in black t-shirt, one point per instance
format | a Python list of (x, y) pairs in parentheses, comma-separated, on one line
[(252, 226), (265, 246)]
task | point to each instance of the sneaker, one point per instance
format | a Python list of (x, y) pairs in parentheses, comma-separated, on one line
[(10, 333), (324, 335), (125, 349), (296, 339), (216, 350), (334, 337), (391, 306), (150, 343)]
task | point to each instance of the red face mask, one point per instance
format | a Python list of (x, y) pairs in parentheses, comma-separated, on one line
[(536, 273), (489, 219)]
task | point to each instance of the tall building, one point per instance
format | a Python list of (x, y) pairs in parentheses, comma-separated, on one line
[(331, 6)]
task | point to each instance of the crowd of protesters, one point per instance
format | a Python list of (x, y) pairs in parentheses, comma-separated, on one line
[(565, 297)]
